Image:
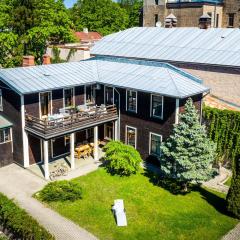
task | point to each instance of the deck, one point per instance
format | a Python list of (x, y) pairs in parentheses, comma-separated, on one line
[(47, 129)]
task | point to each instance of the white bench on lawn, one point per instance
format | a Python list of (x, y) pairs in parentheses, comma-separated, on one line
[(119, 213)]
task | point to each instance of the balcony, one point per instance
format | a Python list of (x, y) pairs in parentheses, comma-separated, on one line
[(61, 124)]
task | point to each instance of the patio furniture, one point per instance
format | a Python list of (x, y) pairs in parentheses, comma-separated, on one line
[(82, 150), (119, 213)]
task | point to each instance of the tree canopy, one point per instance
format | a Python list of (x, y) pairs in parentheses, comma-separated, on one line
[(103, 16), (29, 25), (187, 155)]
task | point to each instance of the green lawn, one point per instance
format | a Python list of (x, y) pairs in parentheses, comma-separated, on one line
[(228, 182), (152, 212)]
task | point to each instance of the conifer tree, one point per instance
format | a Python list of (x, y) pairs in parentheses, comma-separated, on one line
[(233, 197), (188, 154)]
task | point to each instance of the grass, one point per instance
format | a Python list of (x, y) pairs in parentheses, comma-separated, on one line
[(152, 212), (228, 182)]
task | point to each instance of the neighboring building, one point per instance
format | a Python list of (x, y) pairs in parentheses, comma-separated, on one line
[(223, 13), (50, 108), (70, 52), (213, 54), (88, 37)]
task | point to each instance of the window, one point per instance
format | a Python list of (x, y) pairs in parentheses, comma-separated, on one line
[(5, 135), (230, 19), (157, 106), (90, 94), (156, 19), (1, 101), (131, 136), (68, 97), (156, 2), (131, 101), (45, 104), (109, 96), (217, 20), (155, 143)]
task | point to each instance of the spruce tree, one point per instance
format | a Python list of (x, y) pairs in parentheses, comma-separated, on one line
[(188, 154), (233, 197)]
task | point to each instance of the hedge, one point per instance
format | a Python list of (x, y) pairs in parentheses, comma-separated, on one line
[(224, 129), (18, 223)]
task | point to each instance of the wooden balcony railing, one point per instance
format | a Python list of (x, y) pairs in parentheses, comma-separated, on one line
[(77, 121)]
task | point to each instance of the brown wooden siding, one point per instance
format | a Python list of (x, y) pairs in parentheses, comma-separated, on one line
[(6, 156), (57, 100), (31, 102), (146, 124), (12, 112), (79, 95), (34, 149)]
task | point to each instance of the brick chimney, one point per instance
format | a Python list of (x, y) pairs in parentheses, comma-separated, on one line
[(46, 59), (28, 61)]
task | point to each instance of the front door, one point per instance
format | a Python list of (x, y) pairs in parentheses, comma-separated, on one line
[(45, 104), (109, 131)]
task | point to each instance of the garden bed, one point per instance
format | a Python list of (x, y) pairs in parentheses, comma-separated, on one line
[(152, 211)]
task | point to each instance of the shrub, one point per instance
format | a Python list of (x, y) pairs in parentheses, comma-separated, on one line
[(233, 197), (61, 191), (19, 223), (121, 159)]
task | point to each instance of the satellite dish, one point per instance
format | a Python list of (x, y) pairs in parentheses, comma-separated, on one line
[(158, 24)]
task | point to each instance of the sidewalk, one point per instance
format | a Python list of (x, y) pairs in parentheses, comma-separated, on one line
[(20, 184)]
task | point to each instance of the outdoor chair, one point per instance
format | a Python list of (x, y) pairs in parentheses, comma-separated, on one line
[(119, 213)]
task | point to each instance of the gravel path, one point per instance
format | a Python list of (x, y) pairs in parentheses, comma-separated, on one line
[(20, 184), (217, 183)]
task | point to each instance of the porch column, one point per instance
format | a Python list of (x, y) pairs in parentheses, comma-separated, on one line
[(116, 130), (72, 151), (177, 111), (95, 152), (46, 156)]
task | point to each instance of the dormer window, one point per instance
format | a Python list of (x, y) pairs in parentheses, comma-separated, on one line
[(157, 106), (131, 101)]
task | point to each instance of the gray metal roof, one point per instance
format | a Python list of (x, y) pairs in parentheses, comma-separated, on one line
[(214, 46), (4, 123), (148, 76)]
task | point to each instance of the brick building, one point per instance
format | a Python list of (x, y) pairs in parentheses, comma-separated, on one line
[(223, 13)]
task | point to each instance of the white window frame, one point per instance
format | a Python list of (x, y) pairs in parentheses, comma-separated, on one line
[(151, 106), (10, 134), (150, 141), (73, 88), (106, 86), (1, 100), (126, 136), (127, 90), (39, 99)]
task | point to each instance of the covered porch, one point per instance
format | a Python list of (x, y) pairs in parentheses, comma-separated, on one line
[(75, 150)]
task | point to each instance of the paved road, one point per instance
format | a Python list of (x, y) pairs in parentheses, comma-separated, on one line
[(20, 184)]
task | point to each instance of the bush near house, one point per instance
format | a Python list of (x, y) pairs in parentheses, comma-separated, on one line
[(233, 197), (19, 223), (60, 191), (121, 159), (188, 154), (224, 129)]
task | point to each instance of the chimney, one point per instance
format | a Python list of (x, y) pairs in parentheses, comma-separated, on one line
[(28, 61), (205, 21), (170, 21), (85, 30), (46, 59)]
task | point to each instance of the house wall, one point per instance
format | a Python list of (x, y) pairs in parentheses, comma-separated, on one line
[(34, 149), (6, 155), (146, 124), (12, 112)]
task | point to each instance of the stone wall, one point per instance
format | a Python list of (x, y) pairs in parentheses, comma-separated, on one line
[(231, 6)]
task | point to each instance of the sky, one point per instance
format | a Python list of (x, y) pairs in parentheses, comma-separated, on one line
[(69, 3)]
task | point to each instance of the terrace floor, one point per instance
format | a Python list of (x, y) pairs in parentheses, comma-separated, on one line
[(81, 165)]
